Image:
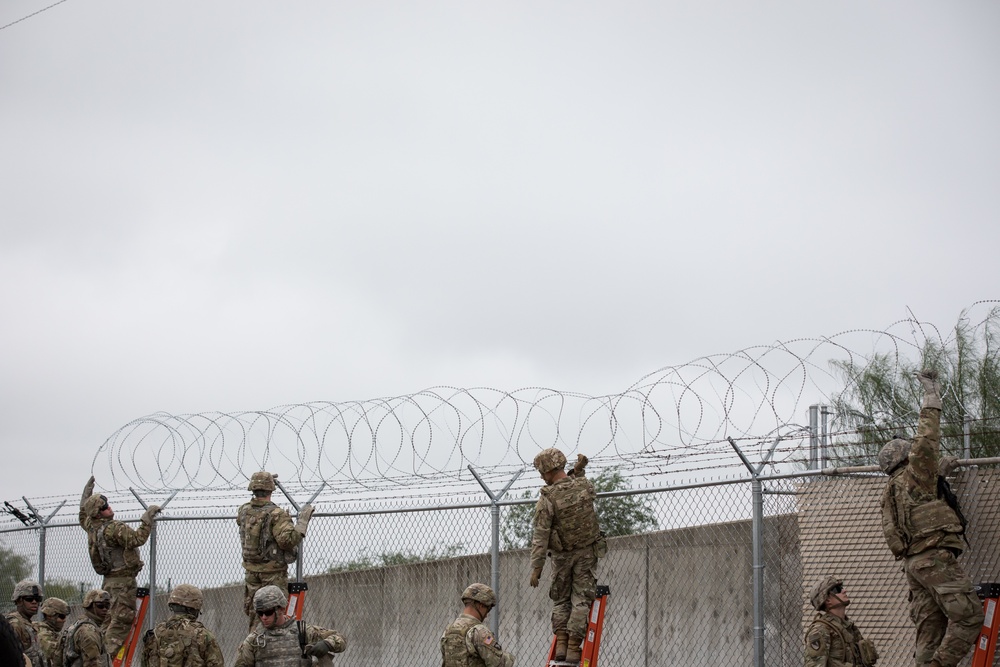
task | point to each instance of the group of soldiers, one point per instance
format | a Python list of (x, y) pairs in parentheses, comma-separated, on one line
[(270, 542), (922, 522), (565, 529), (924, 528)]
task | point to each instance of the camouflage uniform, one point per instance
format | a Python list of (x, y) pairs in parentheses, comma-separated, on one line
[(469, 643), (26, 632), (270, 541), (114, 552), (565, 526), (181, 640), (923, 530), (49, 629), (279, 646), (21, 622), (835, 642), (83, 642)]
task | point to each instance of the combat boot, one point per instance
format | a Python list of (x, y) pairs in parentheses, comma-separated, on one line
[(573, 649), (561, 638)]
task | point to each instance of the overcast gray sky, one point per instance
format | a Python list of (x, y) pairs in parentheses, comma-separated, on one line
[(234, 205)]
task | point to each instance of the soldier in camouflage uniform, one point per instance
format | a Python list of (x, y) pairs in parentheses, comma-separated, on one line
[(924, 528), (469, 643), (832, 639), (114, 553), (277, 642), (565, 526), (182, 641), (83, 642), (270, 540), (26, 597), (54, 613)]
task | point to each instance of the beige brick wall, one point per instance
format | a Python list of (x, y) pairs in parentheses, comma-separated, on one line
[(840, 531)]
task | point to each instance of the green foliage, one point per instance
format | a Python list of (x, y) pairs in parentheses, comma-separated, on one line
[(389, 558), (622, 515), (13, 568), (881, 398), (64, 589)]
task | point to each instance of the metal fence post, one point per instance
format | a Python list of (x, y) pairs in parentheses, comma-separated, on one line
[(967, 437), (42, 523), (302, 544), (814, 437), (757, 545), (152, 556), (824, 435), (495, 546)]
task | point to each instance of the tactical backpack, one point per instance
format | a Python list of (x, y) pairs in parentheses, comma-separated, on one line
[(906, 522), (172, 644), (67, 643), (575, 520), (257, 536), (103, 557)]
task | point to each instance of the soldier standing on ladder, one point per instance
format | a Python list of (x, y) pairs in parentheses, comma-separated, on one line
[(565, 527)]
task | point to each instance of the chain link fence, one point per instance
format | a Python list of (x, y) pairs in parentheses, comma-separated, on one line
[(702, 583)]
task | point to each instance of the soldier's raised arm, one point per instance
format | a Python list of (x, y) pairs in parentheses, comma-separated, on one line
[(925, 452)]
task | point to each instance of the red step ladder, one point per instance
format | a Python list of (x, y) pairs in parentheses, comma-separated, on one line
[(126, 653), (592, 641), (986, 645), (296, 599)]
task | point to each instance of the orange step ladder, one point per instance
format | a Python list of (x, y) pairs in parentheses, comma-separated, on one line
[(126, 653), (986, 644), (296, 599), (592, 641)]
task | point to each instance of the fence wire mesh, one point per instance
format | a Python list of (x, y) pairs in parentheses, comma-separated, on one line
[(707, 565)]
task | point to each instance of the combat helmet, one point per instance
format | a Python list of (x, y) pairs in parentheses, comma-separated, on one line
[(25, 588), (269, 597), (895, 453), (53, 606), (262, 481), (93, 505), (480, 593), (186, 595), (821, 591), (96, 595), (549, 459)]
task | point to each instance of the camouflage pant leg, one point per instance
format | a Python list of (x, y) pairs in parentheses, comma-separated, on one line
[(253, 582), (943, 606), (574, 587), (119, 619)]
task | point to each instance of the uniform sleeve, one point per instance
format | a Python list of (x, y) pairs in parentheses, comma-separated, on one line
[(22, 633), (482, 641), (337, 641), (817, 649), (542, 523), (284, 531), (90, 645), (926, 449), (246, 655), (210, 651), (121, 535)]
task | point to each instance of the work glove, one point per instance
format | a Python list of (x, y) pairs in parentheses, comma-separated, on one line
[(304, 516), (932, 388), (149, 514), (535, 574), (319, 649), (581, 463), (947, 465), (88, 491)]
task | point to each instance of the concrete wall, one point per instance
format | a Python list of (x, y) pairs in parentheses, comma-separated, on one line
[(677, 597)]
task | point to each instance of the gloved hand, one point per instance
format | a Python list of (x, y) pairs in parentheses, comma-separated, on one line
[(581, 463), (535, 574), (947, 465), (319, 649), (305, 515), (932, 388), (88, 490), (150, 514)]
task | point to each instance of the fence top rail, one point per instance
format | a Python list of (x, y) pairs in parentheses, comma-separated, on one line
[(825, 472)]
